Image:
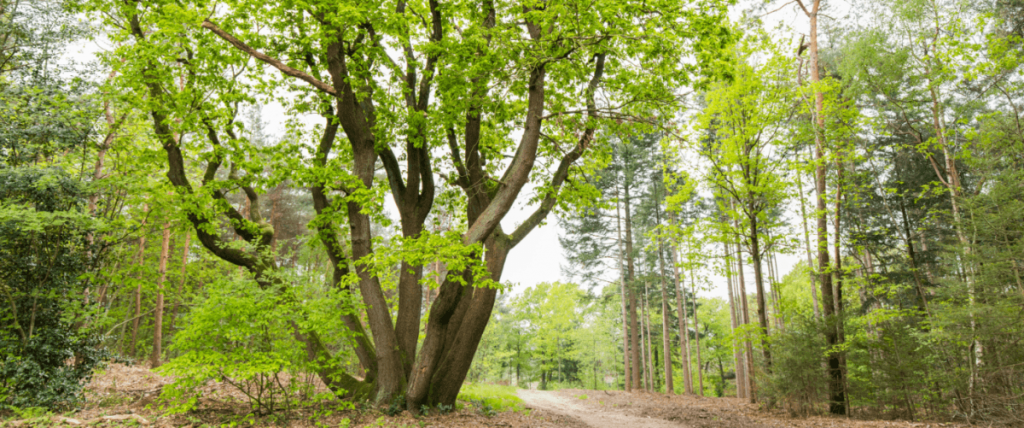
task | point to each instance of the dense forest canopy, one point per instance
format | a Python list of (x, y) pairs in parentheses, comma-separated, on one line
[(156, 208)]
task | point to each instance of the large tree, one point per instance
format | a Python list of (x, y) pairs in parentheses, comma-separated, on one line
[(486, 96)]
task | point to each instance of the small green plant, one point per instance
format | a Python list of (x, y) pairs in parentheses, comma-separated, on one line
[(582, 396), (487, 409), (424, 409), (396, 406), (30, 412), (318, 417), (444, 409)]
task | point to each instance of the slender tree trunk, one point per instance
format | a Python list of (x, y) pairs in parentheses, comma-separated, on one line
[(138, 289), (97, 174), (954, 185), (751, 384), (158, 315), (773, 291), (696, 329), (647, 332), (778, 291), (807, 245), (741, 347), (837, 399), (666, 345), (184, 276), (732, 321), (762, 315), (684, 333), (838, 296), (912, 258), (634, 338), (627, 380), (644, 349)]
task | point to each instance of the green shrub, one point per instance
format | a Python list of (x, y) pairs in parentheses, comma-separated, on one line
[(797, 381), (245, 336), (45, 358), (498, 398)]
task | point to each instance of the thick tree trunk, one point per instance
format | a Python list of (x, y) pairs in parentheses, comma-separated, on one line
[(451, 371), (328, 234), (391, 378), (410, 308), (158, 315)]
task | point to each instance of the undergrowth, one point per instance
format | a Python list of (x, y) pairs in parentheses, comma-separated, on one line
[(492, 399)]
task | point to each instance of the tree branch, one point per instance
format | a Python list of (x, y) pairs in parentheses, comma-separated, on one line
[(207, 24)]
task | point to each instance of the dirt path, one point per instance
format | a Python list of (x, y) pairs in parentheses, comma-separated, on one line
[(619, 409), (602, 417)]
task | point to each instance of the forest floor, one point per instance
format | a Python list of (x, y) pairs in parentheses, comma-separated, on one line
[(129, 396), (123, 396), (618, 409)]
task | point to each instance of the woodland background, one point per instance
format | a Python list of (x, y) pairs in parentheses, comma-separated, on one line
[(148, 213)]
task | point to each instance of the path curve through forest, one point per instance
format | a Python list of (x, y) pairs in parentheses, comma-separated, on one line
[(554, 402)]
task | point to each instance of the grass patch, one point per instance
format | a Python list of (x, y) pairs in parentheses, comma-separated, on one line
[(496, 398), (582, 396)]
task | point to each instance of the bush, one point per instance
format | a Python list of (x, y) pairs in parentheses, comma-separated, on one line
[(491, 398), (797, 381), (243, 335), (45, 358)]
